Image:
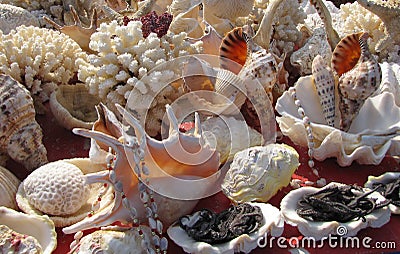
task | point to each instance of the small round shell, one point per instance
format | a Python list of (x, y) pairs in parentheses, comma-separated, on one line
[(8, 188), (272, 225), (73, 106), (318, 230), (257, 173), (39, 227)]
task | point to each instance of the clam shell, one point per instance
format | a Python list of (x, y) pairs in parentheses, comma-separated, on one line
[(272, 225), (20, 135), (384, 178), (8, 188), (73, 106), (39, 227), (370, 137), (87, 167), (318, 230)]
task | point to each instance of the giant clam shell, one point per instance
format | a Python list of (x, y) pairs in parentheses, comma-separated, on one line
[(371, 134), (8, 188), (39, 227), (272, 225), (87, 167), (318, 230)]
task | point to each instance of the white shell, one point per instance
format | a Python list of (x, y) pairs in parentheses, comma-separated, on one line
[(258, 173), (318, 230), (273, 225), (371, 134), (39, 227), (8, 188), (384, 178)]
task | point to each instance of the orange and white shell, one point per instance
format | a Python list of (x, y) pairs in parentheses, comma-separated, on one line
[(8, 188), (20, 134)]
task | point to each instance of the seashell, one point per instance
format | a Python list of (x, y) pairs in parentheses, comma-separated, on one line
[(324, 82), (370, 137), (40, 228), (211, 40), (233, 48), (8, 188), (272, 225), (26, 244), (50, 187), (358, 84), (186, 20), (186, 157), (73, 106), (258, 173), (227, 9), (319, 230), (12, 16), (384, 178), (21, 136)]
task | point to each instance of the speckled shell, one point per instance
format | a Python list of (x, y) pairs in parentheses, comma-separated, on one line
[(12, 16), (318, 230), (257, 173), (8, 188), (324, 82), (20, 134)]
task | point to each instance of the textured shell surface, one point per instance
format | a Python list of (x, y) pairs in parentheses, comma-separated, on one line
[(26, 244), (318, 230), (257, 173), (371, 134), (39, 227), (12, 16), (20, 135), (8, 188), (384, 178), (324, 82), (89, 193), (272, 225)]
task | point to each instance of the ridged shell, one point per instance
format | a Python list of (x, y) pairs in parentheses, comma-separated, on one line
[(346, 53), (257, 173), (73, 106), (20, 134), (8, 188), (324, 82), (356, 85)]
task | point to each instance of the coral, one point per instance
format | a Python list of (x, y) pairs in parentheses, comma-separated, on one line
[(39, 58), (33, 5), (121, 68), (13, 16)]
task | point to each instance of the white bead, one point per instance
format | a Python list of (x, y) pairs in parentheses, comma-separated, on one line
[(118, 186), (145, 170), (315, 172), (309, 183), (149, 212), (311, 163), (310, 153), (321, 182), (159, 227), (297, 102), (311, 145), (156, 240), (300, 111), (152, 223), (144, 197), (163, 243)]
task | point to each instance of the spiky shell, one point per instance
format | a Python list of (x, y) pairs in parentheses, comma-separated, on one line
[(8, 188), (324, 82), (20, 134)]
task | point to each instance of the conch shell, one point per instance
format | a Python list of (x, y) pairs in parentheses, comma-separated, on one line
[(20, 135), (8, 188)]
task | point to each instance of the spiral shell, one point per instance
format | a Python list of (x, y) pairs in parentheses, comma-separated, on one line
[(20, 134), (8, 188)]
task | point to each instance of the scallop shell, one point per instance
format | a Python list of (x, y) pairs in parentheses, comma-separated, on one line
[(272, 225), (8, 188), (73, 106), (318, 230), (384, 178), (346, 53), (20, 136), (87, 167), (370, 137), (258, 173), (39, 227), (324, 82)]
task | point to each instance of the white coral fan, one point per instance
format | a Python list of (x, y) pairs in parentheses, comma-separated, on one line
[(39, 58), (121, 68)]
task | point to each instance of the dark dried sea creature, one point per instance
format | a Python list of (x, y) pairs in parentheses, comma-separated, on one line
[(390, 191), (152, 23)]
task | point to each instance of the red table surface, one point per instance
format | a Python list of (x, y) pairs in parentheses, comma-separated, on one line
[(63, 144)]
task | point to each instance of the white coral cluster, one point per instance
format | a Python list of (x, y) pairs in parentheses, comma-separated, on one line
[(121, 68), (33, 4), (39, 58), (13, 16)]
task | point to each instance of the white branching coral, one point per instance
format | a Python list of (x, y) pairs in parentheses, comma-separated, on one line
[(34, 4), (39, 58), (121, 68)]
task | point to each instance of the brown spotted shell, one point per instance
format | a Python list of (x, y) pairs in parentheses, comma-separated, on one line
[(20, 134)]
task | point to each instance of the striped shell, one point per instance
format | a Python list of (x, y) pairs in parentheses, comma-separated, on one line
[(357, 84), (8, 188), (20, 134), (324, 82)]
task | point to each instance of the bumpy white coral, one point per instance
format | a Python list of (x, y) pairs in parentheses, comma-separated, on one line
[(39, 58), (121, 68), (34, 4), (57, 188), (12, 16)]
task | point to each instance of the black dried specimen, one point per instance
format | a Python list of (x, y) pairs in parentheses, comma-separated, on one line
[(152, 23)]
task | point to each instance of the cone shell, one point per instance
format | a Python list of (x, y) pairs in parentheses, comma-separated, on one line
[(20, 134), (324, 82), (8, 188)]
